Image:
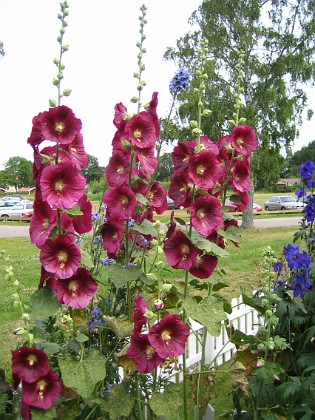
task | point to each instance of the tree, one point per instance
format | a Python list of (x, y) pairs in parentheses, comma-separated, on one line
[(92, 171), (277, 40), (165, 167), (2, 53), (301, 156), (18, 172)]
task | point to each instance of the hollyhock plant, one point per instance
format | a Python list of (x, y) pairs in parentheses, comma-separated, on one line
[(117, 170), (142, 353), (139, 313), (112, 233), (43, 392), (168, 337), (243, 139), (29, 363), (60, 125), (121, 202), (43, 221), (78, 290), (204, 169), (180, 252), (61, 185), (60, 256), (141, 130), (205, 265), (206, 214)]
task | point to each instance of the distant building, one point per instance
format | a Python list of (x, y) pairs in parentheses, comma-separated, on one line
[(28, 190), (286, 183)]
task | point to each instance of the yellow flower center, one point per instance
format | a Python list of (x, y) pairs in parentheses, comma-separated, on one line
[(240, 141), (59, 127), (31, 359), (124, 200), (200, 213), (185, 249), (166, 336), (62, 258), (120, 170), (149, 351), (59, 185), (137, 134), (200, 170), (73, 287)]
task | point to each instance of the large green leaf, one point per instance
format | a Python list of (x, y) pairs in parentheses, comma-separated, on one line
[(209, 313), (168, 404), (43, 304), (146, 228), (83, 375), (86, 259), (121, 276), (207, 246), (120, 402)]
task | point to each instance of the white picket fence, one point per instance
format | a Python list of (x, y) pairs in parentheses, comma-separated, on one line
[(218, 349)]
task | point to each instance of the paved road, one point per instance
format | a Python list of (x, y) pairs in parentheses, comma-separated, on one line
[(18, 231)]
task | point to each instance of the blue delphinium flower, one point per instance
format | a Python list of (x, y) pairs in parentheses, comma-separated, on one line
[(97, 240), (277, 267), (95, 217), (307, 173), (179, 82), (300, 192), (106, 262), (290, 253), (299, 263), (309, 209)]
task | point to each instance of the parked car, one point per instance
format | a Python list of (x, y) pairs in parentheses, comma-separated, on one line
[(18, 210), (9, 203), (233, 207), (13, 197), (283, 202)]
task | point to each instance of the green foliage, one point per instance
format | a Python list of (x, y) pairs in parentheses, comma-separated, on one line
[(301, 156), (18, 172), (92, 171)]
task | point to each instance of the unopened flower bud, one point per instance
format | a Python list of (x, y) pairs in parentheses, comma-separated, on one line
[(52, 103), (134, 99), (149, 315), (16, 283), (66, 92), (158, 304)]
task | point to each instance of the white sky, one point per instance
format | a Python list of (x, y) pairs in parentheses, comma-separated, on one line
[(100, 63)]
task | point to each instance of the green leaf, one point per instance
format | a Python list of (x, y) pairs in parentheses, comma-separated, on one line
[(287, 391), (180, 221), (86, 259), (168, 404), (74, 211), (207, 246), (121, 276), (83, 375), (146, 228), (51, 348), (209, 313), (43, 304), (141, 198), (81, 338), (120, 402)]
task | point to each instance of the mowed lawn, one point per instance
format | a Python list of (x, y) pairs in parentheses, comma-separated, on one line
[(241, 267)]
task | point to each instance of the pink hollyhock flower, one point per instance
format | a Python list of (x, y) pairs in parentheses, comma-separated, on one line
[(138, 314), (43, 221), (117, 170), (36, 136), (75, 152), (181, 155), (231, 223), (60, 125), (204, 169), (244, 200), (243, 139), (205, 266), (179, 251), (120, 116), (142, 353), (207, 144), (121, 202), (61, 256), (168, 337), (141, 131), (240, 176), (140, 182), (157, 198), (62, 186), (146, 158), (46, 279), (112, 232), (29, 363), (122, 142), (83, 223), (42, 393), (180, 188), (206, 214), (78, 290), (152, 110)]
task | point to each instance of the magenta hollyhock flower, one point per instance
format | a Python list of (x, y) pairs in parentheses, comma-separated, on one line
[(180, 188), (62, 186), (112, 233), (46, 279), (121, 202), (36, 136), (122, 142), (240, 175), (60, 125), (168, 337), (138, 314), (117, 170), (61, 256), (141, 130), (83, 223), (78, 290), (43, 221), (205, 266), (243, 196), (207, 144), (120, 116), (75, 152), (147, 159), (204, 169), (140, 182), (29, 363), (206, 214), (152, 111), (42, 393), (243, 139), (142, 353), (157, 198), (181, 155), (179, 251)]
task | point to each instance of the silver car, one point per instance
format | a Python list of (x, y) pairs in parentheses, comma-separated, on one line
[(18, 210), (283, 202)]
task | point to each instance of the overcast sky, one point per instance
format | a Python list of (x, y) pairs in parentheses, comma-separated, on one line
[(102, 36)]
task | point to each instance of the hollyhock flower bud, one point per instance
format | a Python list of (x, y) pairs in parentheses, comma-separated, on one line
[(158, 304)]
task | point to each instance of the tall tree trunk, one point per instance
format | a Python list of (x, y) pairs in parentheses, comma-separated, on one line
[(247, 216)]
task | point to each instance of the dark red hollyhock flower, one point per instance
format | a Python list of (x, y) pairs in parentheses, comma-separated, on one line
[(25, 411), (168, 337), (180, 188), (112, 232), (157, 198), (180, 156), (61, 185), (60, 125), (146, 158), (243, 139), (42, 393), (43, 221), (205, 266), (75, 152), (172, 226), (206, 214), (29, 363), (121, 202), (78, 290), (141, 130), (138, 314), (143, 354), (83, 223), (244, 200), (204, 169), (231, 224), (240, 175), (179, 251), (117, 170), (46, 279), (36, 136), (120, 116), (152, 110), (224, 144), (140, 182), (61, 256), (122, 142), (207, 144)]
